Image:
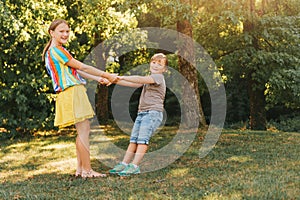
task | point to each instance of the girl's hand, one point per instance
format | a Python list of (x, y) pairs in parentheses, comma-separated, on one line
[(113, 78), (104, 81)]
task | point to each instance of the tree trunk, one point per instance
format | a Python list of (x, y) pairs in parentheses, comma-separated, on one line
[(101, 103), (256, 90), (188, 70), (101, 97), (257, 105)]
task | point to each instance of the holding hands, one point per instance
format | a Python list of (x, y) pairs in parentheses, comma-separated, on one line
[(104, 81), (110, 79)]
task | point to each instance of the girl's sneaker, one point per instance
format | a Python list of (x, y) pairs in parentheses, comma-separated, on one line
[(130, 170), (118, 168)]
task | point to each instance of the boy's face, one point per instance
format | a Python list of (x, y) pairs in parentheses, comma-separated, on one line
[(157, 66)]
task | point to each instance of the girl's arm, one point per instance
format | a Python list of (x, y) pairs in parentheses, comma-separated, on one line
[(91, 70), (92, 77), (89, 76)]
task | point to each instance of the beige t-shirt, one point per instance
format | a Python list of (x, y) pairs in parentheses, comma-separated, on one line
[(153, 95)]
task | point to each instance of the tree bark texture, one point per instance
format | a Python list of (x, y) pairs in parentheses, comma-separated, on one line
[(255, 90), (101, 97), (188, 70), (257, 105), (102, 103)]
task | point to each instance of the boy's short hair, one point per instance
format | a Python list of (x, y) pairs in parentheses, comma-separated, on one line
[(160, 56)]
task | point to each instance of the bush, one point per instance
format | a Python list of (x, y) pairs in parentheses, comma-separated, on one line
[(288, 123)]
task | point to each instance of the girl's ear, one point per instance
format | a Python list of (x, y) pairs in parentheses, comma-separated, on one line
[(51, 32)]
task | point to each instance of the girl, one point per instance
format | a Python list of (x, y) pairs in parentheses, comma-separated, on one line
[(72, 104)]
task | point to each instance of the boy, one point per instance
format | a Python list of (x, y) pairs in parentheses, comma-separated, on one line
[(150, 114)]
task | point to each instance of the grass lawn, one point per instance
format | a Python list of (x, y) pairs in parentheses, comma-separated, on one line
[(242, 165)]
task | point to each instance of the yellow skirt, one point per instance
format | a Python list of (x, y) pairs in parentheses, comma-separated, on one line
[(72, 106)]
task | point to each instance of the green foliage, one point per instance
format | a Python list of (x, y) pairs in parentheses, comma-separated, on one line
[(128, 54), (237, 101), (256, 43), (26, 91), (288, 123), (23, 81), (261, 44), (158, 13)]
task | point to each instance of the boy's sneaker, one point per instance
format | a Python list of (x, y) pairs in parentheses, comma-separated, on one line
[(130, 170), (117, 168)]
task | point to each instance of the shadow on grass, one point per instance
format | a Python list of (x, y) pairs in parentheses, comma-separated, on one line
[(243, 165), (52, 186)]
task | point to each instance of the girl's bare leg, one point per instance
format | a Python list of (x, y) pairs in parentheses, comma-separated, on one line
[(79, 163), (83, 149)]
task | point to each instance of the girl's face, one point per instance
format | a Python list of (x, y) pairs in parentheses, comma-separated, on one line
[(60, 34), (157, 67)]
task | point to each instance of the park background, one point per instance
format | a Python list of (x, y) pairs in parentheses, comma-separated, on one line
[(254, 44)]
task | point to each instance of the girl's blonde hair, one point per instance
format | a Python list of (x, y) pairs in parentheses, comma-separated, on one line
[(162, 57), (52, 27)]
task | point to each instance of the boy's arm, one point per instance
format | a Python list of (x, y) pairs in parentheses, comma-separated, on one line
[(138, 79), (129, 84)]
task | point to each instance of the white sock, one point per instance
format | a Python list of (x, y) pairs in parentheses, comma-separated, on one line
[(124, 163), (135, 166)]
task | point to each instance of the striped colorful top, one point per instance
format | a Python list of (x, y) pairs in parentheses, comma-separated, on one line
[(62, 75)]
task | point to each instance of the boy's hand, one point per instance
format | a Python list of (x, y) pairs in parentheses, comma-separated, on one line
[(120, 77)]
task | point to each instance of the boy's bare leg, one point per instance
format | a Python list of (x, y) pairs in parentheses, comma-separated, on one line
[(131, 149), (139, 154)]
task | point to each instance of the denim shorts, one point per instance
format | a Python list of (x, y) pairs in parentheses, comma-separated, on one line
[(145, 125)]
